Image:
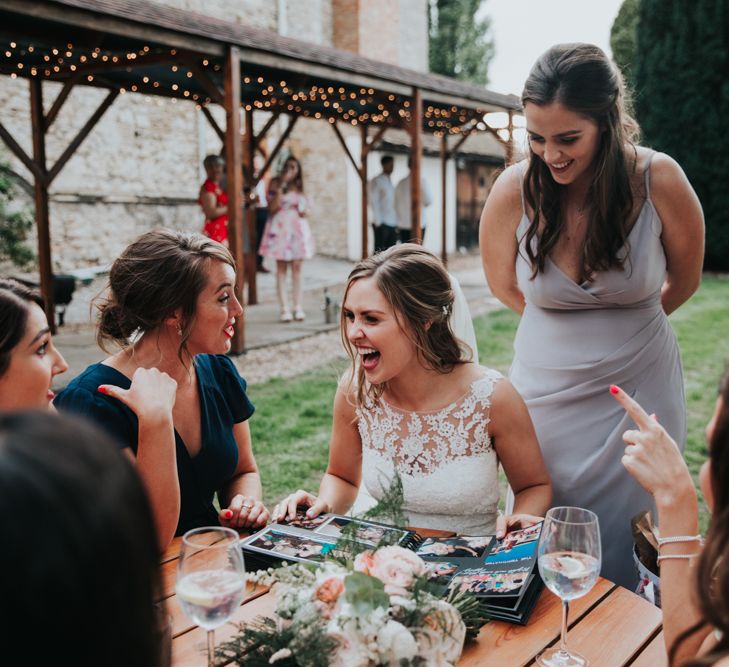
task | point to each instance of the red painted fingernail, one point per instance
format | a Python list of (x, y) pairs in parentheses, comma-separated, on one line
[(613, 389), (228, 514), (101, 390)]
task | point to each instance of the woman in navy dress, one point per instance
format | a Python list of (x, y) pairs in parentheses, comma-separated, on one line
[(170, 396)]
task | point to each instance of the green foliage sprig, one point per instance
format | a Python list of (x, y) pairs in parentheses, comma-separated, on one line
[(15, 225)]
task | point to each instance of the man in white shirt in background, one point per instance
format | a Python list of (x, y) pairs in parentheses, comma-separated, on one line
[(403, 206), (382, 201)]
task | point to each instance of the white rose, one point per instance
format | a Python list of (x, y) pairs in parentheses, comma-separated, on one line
[(395, 643), (351, 652), (442, 638)]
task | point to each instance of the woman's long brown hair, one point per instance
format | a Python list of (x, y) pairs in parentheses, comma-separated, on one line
[(711, 591), (582, 79)]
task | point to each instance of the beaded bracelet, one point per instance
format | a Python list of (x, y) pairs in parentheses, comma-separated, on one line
[(680, 538), (676, 557)]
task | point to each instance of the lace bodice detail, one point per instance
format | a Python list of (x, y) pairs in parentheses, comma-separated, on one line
[(445, 458)]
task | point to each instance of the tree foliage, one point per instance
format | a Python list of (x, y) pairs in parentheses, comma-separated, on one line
[(682, 91), (15, 224), (460, 44), (623, 37)]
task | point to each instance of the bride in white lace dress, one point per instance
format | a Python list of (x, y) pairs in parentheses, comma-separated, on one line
[(415, 403)]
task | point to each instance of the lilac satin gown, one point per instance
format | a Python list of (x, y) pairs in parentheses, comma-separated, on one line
[(573, 342)]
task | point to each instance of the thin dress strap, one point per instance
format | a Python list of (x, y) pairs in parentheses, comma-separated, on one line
[(647, 175)]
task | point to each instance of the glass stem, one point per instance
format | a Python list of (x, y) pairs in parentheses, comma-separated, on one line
[(565, 614), (211, 648)]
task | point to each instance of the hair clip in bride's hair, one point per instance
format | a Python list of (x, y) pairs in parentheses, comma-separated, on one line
[(445, 311)]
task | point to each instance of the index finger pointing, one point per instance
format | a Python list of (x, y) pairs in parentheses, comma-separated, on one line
[(632, 407)]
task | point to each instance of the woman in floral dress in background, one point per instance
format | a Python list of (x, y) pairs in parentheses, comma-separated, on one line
[(287, 237)]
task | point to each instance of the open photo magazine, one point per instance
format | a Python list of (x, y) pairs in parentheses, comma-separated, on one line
[(501, 572)]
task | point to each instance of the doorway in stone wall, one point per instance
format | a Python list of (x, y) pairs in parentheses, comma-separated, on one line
[(474, 179)]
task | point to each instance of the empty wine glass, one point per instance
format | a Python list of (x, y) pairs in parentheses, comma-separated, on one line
[(210, 578), (569, 559)]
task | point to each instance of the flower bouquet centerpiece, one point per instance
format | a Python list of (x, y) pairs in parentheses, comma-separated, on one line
[(374, 607)]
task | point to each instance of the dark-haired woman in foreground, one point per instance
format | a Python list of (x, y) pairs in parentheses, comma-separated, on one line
[(170, 396), (28, 359), (79, 559), (694, 581), (594, 240)]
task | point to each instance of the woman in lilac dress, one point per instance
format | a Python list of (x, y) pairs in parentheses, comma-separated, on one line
[(287, 237), (593, 240)]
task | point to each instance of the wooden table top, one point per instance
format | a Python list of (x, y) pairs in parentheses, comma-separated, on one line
[(610, 626)]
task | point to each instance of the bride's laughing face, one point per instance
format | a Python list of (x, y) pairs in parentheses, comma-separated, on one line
[(373, 330)]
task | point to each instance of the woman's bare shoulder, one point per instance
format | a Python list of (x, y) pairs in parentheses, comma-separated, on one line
[(508, 184), (503, 207)]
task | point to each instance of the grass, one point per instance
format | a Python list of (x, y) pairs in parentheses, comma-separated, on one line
[(292, 424)]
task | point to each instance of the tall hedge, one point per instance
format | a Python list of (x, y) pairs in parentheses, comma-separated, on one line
[(681, 78)]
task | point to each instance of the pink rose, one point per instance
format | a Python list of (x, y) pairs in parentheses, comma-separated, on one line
[(363, 562), (329, 590), (397, 568)]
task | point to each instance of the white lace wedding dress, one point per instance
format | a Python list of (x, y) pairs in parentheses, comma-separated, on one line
[(445, 459)]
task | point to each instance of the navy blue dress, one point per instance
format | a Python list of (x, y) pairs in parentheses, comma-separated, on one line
[(223, 403)]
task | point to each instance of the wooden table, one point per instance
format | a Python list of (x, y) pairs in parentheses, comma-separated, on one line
[(610, 625)]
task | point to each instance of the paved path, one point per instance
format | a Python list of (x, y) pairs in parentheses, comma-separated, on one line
[(273, 349)]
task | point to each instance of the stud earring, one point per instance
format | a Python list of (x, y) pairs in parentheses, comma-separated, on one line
[(178, 328)]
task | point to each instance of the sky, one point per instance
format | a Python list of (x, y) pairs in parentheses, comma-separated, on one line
[(523, 29)]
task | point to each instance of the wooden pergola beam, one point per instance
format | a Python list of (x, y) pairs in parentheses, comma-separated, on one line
[(366, 145), (343, 143), (459, 143), (97, 65), (372, 143), (213, 122), (234, 169), (58, 102), (16, 150), (250, 212), (279, 144), (40, 189), (264, 130), (82, 134), (443, 184), (207, 83), (416, 153)]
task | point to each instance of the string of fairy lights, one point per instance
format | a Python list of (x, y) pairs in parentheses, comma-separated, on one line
[(332, 102)]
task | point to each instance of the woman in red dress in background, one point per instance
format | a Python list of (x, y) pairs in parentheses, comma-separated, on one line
[(214, 200)]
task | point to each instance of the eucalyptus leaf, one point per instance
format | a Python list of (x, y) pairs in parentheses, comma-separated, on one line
[(365, 593)]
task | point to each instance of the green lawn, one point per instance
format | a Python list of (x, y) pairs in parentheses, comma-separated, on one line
[(292, 423)]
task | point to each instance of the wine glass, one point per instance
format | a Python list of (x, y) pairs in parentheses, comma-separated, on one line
[(210, 578), (569, 558)]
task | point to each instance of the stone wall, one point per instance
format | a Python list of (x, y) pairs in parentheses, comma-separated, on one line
[(141, 165)]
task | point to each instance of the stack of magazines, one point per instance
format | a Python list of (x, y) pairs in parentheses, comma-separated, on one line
[(501, 572)]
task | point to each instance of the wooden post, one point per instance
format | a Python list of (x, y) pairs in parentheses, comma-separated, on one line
[(249, 150), (416, 151), (443, 207), (363, 179), (40, 187), (234, 170)]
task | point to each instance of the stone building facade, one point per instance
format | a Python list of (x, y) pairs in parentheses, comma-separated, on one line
[(141, 166)]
